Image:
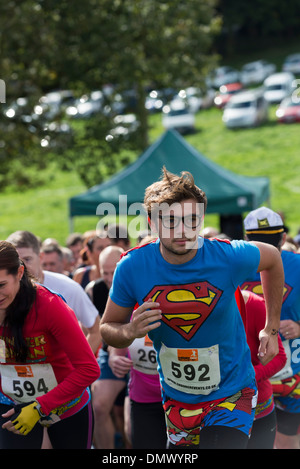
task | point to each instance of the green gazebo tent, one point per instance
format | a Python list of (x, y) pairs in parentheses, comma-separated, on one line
[(228, 194)]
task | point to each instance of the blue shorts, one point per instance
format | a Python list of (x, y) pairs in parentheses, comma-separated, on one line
[(105, 369)]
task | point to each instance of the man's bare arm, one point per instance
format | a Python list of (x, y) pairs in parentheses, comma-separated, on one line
[(119, 331), (93, 335), (272, 279)]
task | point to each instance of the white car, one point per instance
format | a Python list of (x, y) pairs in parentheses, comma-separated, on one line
[(191, 97), (178, 117), (292, 64), (279, 86), (124, 125), (246, 109), (52, 104), (256, 72), (154, 101), (222, 76), (86, 106), (194, 98)]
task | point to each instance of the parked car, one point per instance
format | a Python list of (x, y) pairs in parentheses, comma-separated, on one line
[(292, 64), (288, 110), (198, 99), (246, 109), (20, 110), (278, 86), (87, 105), (124, 125), (208, 98), (226, 92), (193, 98), (53, 104), (222, 76), (178, 117), (155, 101), (190, 97), (256, 72)]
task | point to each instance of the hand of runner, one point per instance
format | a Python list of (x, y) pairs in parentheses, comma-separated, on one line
[(268, 347), (119, 365), (145, 318), (289, 329), (25, 419)]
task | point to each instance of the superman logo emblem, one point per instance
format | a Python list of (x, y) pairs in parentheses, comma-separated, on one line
[(185, 307), (256, 287)]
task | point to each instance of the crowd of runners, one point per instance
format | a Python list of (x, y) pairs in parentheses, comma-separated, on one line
[(183, 339)]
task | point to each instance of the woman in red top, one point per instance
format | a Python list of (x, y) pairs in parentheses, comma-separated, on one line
[(264, 425), (46, 364)]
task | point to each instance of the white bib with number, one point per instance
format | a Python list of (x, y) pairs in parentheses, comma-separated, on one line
[(191, 370), (143, 356), (24, 383), (286, 371)]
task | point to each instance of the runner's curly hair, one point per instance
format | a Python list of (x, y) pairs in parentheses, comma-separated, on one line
[(173, 189)]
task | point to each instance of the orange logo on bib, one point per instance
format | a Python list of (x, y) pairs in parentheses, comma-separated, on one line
[(24, 371), (189, 355)]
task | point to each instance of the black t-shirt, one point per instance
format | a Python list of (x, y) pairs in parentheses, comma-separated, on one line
[(100, 295)]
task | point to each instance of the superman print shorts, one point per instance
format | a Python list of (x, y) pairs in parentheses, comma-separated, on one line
[(185, 421), (287, 394)]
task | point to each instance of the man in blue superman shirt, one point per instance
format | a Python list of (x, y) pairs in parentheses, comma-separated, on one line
[(186, 288)]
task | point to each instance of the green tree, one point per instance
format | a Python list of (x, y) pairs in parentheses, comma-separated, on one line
[(164, 43), (82, 46), (248, 24)]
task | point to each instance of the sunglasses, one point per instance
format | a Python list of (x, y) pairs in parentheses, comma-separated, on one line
[(171, 221)]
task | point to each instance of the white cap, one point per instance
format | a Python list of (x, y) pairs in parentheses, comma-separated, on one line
[(264, 221)]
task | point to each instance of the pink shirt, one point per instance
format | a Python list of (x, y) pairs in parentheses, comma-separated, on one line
[(144, 384)]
